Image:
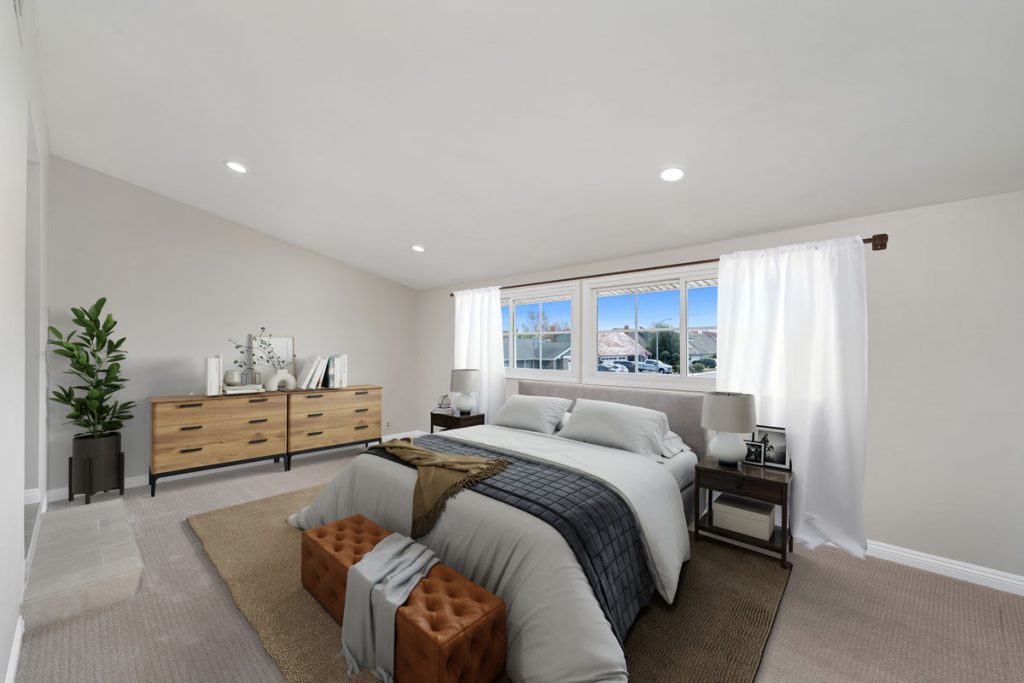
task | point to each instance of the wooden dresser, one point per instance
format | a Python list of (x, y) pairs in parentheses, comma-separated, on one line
[(327, 417), (191, 433)]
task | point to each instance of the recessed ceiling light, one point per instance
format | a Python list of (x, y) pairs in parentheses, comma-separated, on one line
[(670, 175), (236, 167), (418, 248)]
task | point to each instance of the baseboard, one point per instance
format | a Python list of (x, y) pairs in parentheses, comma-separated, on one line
[(12, 661), (31, 496), (135, 482), (129, 483), (964, 571)]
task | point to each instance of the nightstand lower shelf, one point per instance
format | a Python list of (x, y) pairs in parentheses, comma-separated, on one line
[(776, 544)]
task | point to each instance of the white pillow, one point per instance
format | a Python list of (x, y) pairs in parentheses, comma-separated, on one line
[(532, 413), (672, 445), (628, 428)]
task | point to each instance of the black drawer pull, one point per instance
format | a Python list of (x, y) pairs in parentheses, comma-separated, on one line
[(362, 426), (315, 415), (313, 433), (314, 395), (362, 410), (362, 393), (258, 400), (191, 450), (191, 428), (257, 440), (257, 420), (190, 405)]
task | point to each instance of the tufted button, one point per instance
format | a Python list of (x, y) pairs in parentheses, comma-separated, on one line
[(450, 629)]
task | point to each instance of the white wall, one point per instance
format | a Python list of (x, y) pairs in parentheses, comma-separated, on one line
[(945, 465), (180, 282), (19, 90)]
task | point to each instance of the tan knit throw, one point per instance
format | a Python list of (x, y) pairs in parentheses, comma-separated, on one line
[(439, 477)]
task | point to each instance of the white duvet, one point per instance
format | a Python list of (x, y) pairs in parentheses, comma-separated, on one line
[(556, 629)]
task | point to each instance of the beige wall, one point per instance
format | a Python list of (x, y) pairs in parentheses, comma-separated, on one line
[(180, 282), (945, 466)]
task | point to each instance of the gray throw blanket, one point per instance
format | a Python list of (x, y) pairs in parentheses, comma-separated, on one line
[(378, 585)]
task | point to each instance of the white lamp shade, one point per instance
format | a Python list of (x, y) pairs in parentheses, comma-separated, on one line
[(464, 381), (728, 412)]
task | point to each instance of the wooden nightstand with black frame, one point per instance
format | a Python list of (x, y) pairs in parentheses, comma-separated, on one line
[(764, 484), (447, 419)]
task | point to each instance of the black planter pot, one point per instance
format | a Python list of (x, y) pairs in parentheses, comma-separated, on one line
[(96, 464)]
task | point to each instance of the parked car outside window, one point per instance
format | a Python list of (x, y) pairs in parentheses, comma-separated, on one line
[(652, 365)]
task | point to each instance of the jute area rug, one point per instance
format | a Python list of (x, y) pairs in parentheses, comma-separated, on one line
[(715, 631)]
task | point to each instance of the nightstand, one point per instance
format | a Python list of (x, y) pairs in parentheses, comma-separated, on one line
[(765, 484), (447, 419)]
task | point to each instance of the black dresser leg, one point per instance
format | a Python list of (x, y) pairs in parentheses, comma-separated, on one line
[(152, 485)]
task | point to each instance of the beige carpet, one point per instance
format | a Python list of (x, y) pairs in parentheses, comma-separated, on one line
[(716, 631), (841, 619)]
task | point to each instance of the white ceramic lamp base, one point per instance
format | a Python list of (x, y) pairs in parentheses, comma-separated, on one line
[(464, 403), (727, 448)]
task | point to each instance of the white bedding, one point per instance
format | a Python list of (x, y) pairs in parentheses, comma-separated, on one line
[(682, 467), (556, 629)]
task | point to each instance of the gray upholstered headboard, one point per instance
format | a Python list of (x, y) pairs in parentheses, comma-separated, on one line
[(683, 408)]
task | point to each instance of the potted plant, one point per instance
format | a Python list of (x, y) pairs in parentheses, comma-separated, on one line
[(95, 362)]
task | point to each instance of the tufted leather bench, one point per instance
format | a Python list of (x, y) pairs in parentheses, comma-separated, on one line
[(449, 630)]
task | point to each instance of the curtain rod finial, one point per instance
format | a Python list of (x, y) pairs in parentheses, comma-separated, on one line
[(879, 242)]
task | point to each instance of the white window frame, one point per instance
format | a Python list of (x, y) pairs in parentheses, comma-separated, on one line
[(570, 289), (588, 328)]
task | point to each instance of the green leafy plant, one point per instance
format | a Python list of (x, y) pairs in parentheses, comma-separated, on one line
[(95, 358)]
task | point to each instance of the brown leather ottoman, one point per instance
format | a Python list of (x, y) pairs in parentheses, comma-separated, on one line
[(449, 630)]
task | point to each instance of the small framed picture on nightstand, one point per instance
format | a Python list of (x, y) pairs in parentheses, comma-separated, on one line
[(755, 453)]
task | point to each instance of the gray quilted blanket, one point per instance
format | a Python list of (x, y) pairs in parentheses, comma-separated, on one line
[(595, 521)]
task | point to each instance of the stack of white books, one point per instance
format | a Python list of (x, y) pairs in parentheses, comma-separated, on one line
[(324, 372)]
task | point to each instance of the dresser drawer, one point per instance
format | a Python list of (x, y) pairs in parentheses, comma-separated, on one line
[(202, 411), (202, 454), (323, 416), (217, 431), (306, 439), (767, 491)]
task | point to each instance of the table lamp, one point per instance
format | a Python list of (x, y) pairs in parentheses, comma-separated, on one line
[(464, 382), (729, 415)]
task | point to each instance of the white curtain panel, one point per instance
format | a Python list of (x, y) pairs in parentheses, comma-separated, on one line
[(478, 343), (792, 330)]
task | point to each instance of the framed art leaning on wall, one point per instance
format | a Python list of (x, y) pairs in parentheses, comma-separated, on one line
[(773, 440)]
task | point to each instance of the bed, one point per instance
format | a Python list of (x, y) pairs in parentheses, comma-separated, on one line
[(557, 629), (683, 408)]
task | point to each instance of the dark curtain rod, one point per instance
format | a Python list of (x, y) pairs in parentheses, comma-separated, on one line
[(878, 243)]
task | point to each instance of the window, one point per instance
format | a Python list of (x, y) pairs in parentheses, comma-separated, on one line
[(537, 333), (638, 329), (639, 326), (505, 321), (702, 327)]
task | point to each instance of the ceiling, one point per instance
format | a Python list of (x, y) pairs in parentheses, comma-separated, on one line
[(522, 135)]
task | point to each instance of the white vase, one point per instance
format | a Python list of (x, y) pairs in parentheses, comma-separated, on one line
[(232, 378), (277, 379)]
